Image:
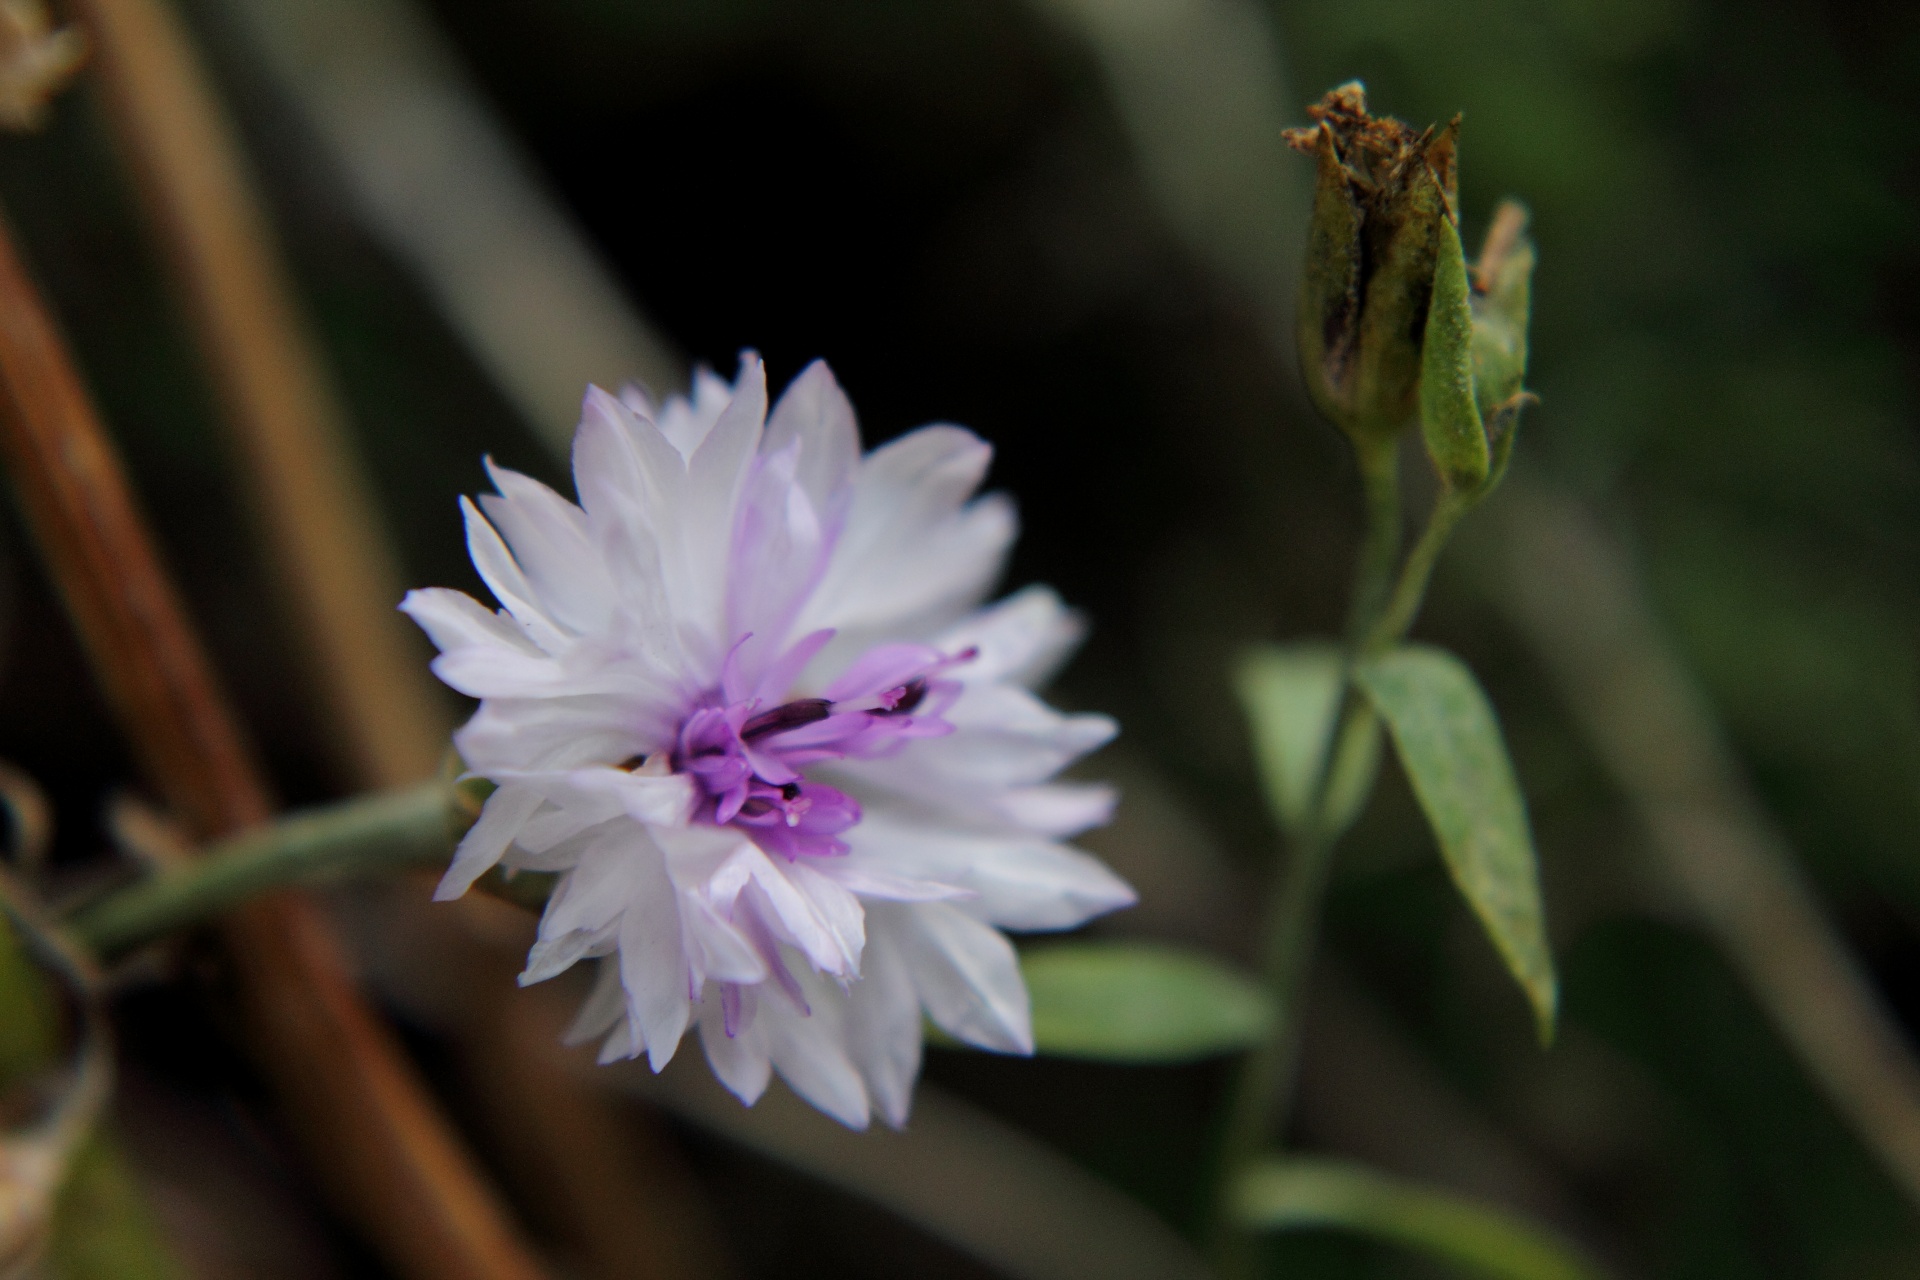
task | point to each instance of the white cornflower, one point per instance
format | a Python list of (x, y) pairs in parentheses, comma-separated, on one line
[(743, 699)]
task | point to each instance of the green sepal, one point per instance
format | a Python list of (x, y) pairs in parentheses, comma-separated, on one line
[(1449, 418)]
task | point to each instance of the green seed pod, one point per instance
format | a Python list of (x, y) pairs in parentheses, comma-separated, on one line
[(1382, 193)]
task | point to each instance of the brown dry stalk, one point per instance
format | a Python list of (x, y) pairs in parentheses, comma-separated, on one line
[(337, 576), (332, 562), (392, 1158)]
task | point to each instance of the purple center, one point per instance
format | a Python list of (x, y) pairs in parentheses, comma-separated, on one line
[(749, 758)]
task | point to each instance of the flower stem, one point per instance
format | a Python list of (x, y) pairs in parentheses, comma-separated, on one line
[(1292, 924), (1384, 607), (1380, 477), (1390, 627), (384, 832)]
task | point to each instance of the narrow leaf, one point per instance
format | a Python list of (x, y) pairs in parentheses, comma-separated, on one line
[(1140, 1002), (1292, 697), (1282, 1195), (1450, 745)]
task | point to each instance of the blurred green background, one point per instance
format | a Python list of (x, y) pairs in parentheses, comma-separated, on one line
[(950, 203)]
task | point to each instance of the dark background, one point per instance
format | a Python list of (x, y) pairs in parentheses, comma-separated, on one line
[(940, 199)]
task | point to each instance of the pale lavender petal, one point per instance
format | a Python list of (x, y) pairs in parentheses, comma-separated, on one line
[(602, 1009), (1023, 638), (653, 965), (741, 1062), (455, 620), (883, 1019), (810, 1051), (509, 585), (814, 413), (968, 977), (553, 545), (1016, 883), (500, 817)]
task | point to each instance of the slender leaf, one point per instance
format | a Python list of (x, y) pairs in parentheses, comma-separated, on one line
[(1283, 1195), (1450, 744), (1140, 1002), (1292, 696)]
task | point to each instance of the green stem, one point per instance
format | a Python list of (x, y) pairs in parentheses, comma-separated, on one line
[(368, 835), (1292, 923), (1380, 619), (1380, 477), (1411, 590)]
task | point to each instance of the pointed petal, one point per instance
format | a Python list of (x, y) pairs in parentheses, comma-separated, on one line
[(883, 1019), (653, 965), (741, 1062), (501, 817), (968, 977)]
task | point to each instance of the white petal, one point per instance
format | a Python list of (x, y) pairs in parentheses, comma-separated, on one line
[(590, 897), (602, 1008), (1017, 883), (814, 412), (883, 1019), (687, 420), (818, 917), (741, 1062), (1007, 737), (1023, 638), (968, 977), (1059, 808), (911, 551), (551, 541), (653, 965), (504, 577), (501, 818), (695, 552), (604, 791), (810, 1050), (716, 950), (455, 620), (551, 957), (566, 731)]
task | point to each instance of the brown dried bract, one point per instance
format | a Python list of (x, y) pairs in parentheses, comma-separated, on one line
[(1381, 155)]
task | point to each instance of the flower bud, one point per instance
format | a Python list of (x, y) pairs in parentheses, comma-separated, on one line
[(1474, 353), (1502, 298), (1383, 192)]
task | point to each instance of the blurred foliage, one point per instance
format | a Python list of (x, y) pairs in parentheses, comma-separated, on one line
[(939, 198)]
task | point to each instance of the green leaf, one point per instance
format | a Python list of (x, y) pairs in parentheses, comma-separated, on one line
[(1140, 1002), (1292, 697), (1449, 419), (1282, 1195), (1450, 745)]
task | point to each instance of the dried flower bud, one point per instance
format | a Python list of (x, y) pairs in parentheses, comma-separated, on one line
[(1382, 194)]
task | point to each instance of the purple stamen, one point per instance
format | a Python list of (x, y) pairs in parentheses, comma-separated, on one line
[(749, 764)]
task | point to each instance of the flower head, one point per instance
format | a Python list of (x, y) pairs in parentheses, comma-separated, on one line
[(743, 699)]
